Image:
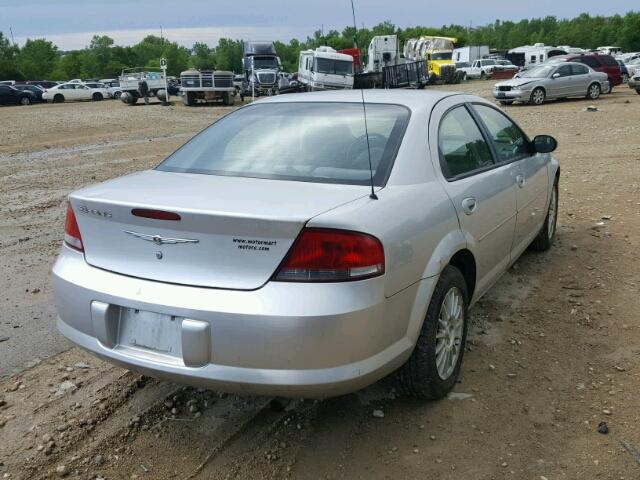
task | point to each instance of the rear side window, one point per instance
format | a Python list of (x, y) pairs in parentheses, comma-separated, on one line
[(591, 61), (463, 149), (301, 141), (609, 61), (510, 142), (579, 69)]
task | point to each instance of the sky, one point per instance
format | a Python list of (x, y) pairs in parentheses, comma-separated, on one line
[(70, 24)]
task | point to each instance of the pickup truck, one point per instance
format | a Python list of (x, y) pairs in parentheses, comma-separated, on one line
[(481, 69)]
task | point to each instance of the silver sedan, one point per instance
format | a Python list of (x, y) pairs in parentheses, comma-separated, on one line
[(294, 249), (547, 81)]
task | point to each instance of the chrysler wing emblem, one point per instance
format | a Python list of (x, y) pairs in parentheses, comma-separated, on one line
[(158, 240)]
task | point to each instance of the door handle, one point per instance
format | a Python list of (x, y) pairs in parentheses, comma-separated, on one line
[(469, 205), (520, 181)]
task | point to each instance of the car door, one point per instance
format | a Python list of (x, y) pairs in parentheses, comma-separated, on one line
[(560, 86), (482, 192), (512, 147), (581, 79), (5, 95)]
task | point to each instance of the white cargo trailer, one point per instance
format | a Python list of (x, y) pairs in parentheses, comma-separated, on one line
[(470, 54)]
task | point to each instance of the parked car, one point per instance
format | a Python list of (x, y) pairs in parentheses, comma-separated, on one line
[(482, 69), (633, 67), (42, 83), (324, 275), (74, 91), (600, 63), (548, 81), (35, 89), (9, 95), (634, 83), (624, 73), (506, 65), (113, 88)]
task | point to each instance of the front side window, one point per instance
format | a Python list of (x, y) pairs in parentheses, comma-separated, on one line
[(300, 141), (510, 142), (564, 70), (462, 147)]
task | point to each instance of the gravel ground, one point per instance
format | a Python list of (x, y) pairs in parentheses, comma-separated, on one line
[(553, 350)]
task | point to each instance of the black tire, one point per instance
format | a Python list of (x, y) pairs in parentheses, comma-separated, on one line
[(538, 96), (638, 92), (58, 98), (625, 78), (483, 76), (547, 235), (228, 99), (117, 95), (594, 91), (419, 377), (97, 97), (25, 100), (506, 102), (187, 99)]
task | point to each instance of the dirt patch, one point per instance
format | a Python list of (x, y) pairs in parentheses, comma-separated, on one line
[(554, 348)]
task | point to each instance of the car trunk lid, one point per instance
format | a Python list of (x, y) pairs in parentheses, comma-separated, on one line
[(232, 232)]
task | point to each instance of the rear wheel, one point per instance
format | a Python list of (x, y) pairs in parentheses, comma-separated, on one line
[(97, 97), (187, 99), (117, 95), (547, 234), (538, 96), (483, 76), (25, 100), (594, 91), (228, 98), (58, 98), (433, 368)]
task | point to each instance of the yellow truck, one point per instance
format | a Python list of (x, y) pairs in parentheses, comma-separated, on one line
[(438, 53)]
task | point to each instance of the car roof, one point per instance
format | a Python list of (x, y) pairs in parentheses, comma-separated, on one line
[(412, 99)]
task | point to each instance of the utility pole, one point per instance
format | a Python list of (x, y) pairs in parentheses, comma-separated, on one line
[(161, 35), (11, 32)]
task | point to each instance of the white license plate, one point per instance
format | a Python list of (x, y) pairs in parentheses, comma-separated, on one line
[(502, 95), (155, 332)]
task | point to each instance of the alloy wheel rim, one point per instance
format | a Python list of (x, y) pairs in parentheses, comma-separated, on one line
[(594, 91), (538, 97), (449, 333), (551, 226)]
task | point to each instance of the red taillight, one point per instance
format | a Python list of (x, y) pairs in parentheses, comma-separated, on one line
[(323, 255), (71, 231), (155, 214)]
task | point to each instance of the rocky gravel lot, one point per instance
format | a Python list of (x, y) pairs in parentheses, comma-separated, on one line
[(554, 349)]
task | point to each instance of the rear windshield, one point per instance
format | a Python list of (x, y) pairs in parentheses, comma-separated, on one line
[(308, 142)]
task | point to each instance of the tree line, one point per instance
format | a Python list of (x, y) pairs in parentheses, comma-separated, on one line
[(41, 59)]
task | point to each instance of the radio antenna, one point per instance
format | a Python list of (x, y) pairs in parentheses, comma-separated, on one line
[(372, 195)]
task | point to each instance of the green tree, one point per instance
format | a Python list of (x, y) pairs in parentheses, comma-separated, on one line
[(37, 59), (8, 64), (202, 57), (228, 55)]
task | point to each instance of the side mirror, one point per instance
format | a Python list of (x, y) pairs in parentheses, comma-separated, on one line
[(555, 75), (545, 144)]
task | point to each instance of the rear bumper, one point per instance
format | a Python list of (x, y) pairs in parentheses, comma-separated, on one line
[(634, 84), (286, 339)]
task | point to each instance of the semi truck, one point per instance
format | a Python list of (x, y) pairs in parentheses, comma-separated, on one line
[(325, 69), (207, 85), (383, 52), (261, 67), (438, 53)]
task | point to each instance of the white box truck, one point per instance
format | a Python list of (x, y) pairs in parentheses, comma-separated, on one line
[(470, 54), (325, 69)]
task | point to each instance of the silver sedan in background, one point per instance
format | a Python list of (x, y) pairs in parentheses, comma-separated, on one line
[(548, 81), (294, 249)]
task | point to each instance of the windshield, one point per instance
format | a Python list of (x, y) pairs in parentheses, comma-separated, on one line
[(538, 72), (333, 67), (308, 142), (264, 62), (441, 56)]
